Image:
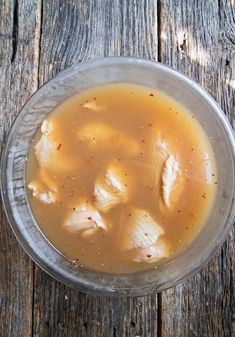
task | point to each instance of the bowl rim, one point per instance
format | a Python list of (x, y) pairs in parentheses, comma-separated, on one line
[(91, 288)]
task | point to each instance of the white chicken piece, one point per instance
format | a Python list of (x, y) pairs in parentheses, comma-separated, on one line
[(103, 136), (161, 148), (141, 230), (47, 177), (85, 219), (153, 253), (168, 173), (141, 236), (169, 176), (49, 150), (40, 191), (94, 106), (160, 154), (110, 189), (45, 147)]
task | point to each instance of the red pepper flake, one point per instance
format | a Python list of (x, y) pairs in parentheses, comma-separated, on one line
[(74, 208), (204, 195), (216, 182), (149, 256), (192, 149), (178, 210), (94, 98), (119, 159), (150, 124), (213, 174), (125, 174), (146, 234), (187, 228), (93, 138), (59, 146), (145, 215), (126, 185), (151, 94), (129, 214), (89, 218), (142, 140)]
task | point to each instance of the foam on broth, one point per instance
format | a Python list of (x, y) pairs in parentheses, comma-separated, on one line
[(130, 131)]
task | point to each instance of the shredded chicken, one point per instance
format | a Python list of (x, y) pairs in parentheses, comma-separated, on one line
[(141, 235), (50, 149), (110, 189), (153, 253), (84, 218), (40, 192), (104, 137), (94, 106), (169, 176)]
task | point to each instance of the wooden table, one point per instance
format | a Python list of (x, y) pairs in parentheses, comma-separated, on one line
[(38, 39)]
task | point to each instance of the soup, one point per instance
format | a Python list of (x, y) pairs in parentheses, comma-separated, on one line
[(121, 178)]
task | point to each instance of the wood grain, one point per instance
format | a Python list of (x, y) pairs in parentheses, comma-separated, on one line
[(197, 38), (40, 38), (19, 37), (101, 28), (60, 311)]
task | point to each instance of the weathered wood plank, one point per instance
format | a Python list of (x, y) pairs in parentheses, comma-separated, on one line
[(198, 38), (60, 311), (19, 34), (74, 31)]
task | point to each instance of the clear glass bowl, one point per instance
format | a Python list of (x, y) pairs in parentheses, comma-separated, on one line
[(78, 78)]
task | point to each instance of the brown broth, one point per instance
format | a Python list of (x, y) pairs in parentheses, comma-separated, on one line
[(143, 115)]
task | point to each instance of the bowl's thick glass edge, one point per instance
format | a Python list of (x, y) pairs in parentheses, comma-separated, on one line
[(91, 289)]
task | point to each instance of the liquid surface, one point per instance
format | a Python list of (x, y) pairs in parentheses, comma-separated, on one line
[(121, 178)]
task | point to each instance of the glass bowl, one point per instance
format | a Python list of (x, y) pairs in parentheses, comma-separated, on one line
[(78, 78)]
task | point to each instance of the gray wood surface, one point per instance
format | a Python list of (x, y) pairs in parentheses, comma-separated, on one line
[(40, 38), (19, 54), (198, 39)]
